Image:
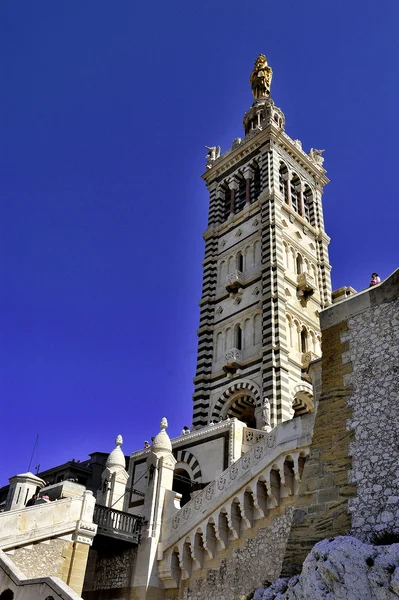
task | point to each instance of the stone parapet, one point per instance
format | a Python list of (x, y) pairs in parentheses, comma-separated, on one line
[(73, 516)]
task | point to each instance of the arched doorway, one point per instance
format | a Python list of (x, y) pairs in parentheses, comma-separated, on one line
[(182, 485)]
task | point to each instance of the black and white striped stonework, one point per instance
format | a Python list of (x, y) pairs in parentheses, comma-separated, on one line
[(189, 459), (251, 398)]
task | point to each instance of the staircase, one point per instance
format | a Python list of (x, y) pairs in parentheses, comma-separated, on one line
[(255, 488)]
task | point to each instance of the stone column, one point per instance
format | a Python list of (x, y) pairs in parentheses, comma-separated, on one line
[(160, 463), (78, 552)]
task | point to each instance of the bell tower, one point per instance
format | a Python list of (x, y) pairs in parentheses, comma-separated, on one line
[(266, 271)]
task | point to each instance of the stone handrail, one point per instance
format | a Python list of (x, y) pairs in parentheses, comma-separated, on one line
[(43, 521), (287, 436)]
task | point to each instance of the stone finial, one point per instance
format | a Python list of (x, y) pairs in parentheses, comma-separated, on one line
[(116, 458), (162, 443)]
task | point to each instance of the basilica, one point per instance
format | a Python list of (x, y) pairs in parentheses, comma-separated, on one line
[(276, 459)]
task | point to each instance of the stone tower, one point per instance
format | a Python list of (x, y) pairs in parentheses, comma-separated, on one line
[(266, 271)]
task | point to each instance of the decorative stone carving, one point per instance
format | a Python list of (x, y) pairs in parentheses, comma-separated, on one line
[(258, 452), (210, 491), (213, 154), (221, 483), (186, 512), (246, 462), (176, 521), (316, 157), (233, 472), (198, 502)]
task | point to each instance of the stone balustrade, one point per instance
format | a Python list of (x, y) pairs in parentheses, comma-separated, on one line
[(306, 283), (262, 480), (25, 526)]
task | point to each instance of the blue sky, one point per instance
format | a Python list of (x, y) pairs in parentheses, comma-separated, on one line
[(105, 108)]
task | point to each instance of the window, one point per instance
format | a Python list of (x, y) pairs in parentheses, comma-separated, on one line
[(238, 337), (241, 195), (226, 204), (239, 262), (308, 205), (295, 191), (304, 340), (283, 174), (299, 264)]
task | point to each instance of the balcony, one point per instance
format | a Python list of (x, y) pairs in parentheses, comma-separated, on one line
[(117, 524), (232, 360), (306, 284), (234, 281)]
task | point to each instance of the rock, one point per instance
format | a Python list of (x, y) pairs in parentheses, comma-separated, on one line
[(343, 568)]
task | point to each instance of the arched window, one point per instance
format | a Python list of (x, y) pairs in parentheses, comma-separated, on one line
[(308, 204), (256, 185), (239, 261), (299, 264), (240, 195), (304, 340), (283, 174), (238, 337), (295, 187), (226, 203)]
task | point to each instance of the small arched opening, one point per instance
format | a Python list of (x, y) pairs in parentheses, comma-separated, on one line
[(182, 485), (304, 340), (238, 337)]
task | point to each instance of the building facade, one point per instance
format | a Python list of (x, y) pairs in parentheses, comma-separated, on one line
[(266, 272)]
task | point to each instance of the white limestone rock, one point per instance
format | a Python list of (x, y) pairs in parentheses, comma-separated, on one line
[(343, 568)]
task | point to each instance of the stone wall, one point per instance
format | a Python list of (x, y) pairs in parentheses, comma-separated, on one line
[(109, 570), (351, 480), (50, 559), (14, 581), (373, 338), (256, 561)]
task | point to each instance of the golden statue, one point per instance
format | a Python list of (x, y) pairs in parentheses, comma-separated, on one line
[(261, 78)]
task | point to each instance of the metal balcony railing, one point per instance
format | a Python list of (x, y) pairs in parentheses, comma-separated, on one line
[(117, 524)]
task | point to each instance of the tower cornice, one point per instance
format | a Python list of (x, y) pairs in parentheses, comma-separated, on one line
[(254, 140)]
